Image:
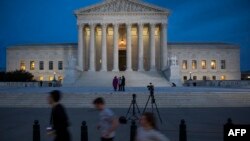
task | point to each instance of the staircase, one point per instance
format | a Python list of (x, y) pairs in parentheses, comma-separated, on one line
[(178, 100), (133, 79)]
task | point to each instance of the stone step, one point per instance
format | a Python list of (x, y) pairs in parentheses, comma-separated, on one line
[(133, 79), (123, 101)]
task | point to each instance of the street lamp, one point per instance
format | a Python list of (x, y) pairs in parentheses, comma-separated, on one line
[(190, 73), (54, 79)]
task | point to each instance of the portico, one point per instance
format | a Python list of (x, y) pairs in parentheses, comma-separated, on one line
[(112, 30)]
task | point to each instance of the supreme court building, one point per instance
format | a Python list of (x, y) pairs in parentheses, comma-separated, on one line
[(126, 37)]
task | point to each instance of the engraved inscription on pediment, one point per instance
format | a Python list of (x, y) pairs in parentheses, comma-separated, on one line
[(121, 6)]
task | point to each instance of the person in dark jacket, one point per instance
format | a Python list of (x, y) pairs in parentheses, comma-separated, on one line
[(123, 83), (120, 83), (59, 120)]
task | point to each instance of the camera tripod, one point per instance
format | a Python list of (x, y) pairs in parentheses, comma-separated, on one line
[(153, 104), (134, 107), (133, 117)]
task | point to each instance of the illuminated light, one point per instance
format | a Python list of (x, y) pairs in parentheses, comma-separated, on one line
[(41, 78), (184, 64), (194, 64), (203, 64), (60, 78), (248, 77), (51, 78), (223, 77), (32, 65), (213, 64), (22, 66)]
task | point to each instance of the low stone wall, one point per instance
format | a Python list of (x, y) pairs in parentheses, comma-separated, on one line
[(30, 84), (219, 83)]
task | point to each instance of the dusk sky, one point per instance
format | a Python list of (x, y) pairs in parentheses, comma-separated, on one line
[(53, 21)]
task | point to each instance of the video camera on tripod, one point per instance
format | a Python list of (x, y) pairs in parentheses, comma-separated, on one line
[(151, 88)]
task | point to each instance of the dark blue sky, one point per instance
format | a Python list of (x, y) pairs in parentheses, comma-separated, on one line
[(52, 21)]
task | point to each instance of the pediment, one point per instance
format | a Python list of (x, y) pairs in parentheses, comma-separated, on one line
[(114, 6)]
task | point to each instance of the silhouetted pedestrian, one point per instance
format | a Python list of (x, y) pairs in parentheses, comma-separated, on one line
[(115, 83), (59, 120), (108, 122), (123, 83)]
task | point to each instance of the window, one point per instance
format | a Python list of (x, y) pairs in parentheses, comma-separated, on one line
[(184, 64), (194, 77), (41, 78), (204, 64), (194, 64), (223, 77), (60, 65), (32, 65), (223, 64), (50, 65), (184, 78), (213, 64), (204, 78), (213, 77), (41, 65), (22, 66), (51, 78)]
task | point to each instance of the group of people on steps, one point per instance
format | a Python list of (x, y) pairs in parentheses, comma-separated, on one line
[(119, 83)]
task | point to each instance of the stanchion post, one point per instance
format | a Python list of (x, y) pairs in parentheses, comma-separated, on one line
[(133, 129), (183, 131), (36, 131), (84, 131)]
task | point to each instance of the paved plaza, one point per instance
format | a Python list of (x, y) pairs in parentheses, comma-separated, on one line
[(205, 110), (203, 124)]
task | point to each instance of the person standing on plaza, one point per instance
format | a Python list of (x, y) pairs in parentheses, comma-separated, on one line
[(108, 122), (59, 122), (123, 83), (120, 83), (148, 130), (115, 83)]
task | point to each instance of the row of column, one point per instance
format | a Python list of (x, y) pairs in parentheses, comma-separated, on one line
[(92, 51)]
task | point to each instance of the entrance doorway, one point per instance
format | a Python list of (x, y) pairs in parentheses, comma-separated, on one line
[(122, 60)]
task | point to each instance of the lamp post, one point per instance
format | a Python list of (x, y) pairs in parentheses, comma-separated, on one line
[(54, 79), (190, 73)]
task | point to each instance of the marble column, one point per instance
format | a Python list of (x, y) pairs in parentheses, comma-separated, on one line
[(164, 47), (129, 49), (140, 48), (80, 49), (92, 51), (104, 47), (152, 47), (116, 49)]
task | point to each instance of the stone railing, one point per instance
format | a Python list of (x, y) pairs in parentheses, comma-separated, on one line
[(31, 84), (219, 83)]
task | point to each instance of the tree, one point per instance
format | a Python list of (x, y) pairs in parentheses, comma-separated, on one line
[(16, 76)]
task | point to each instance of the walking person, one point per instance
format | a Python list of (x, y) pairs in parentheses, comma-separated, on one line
[(148, 130), (120, 83), (115, 83), (108, 122), (59, 122), (123, 83)]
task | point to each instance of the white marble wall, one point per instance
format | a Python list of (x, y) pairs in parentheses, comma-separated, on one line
[(38, 53), (208, 52), (185, 51)]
